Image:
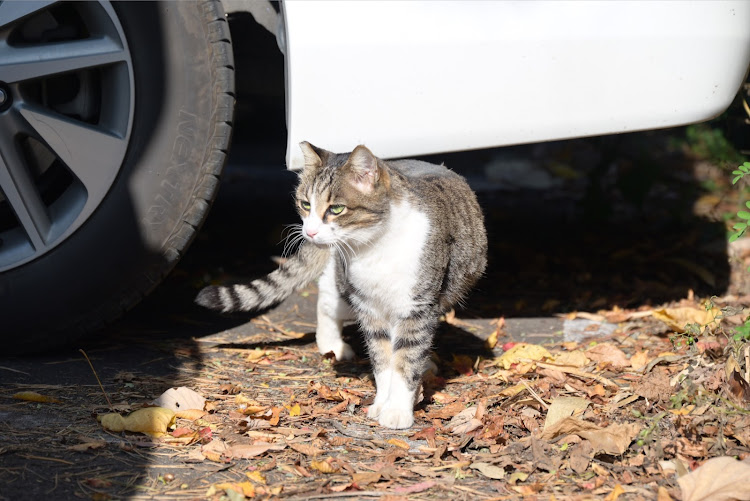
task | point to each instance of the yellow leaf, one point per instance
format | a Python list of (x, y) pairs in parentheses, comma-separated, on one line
[(256, 476), (398, 443), (615, 492), (575, 358), (324, 466), (245, 488), (523, 352), (294, 410), (32, 396), (684, 411), (678, 318), (513, 390), (191, 414), (153, 421)]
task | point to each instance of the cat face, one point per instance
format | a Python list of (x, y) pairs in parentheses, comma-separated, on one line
[(341, 198)]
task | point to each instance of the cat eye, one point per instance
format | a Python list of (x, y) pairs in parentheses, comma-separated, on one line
[(305, 205), (336, 209)]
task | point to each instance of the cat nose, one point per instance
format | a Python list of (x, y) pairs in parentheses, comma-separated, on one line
[(311, 233)]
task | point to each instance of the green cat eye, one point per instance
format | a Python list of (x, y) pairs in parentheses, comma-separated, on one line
[(337, 209), (305, 205)]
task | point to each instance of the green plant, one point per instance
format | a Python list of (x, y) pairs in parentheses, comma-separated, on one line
[(742, 332), (741, 227)]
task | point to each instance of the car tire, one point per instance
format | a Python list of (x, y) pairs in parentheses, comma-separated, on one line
[(183, 82)]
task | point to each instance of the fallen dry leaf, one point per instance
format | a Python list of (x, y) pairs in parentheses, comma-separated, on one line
[(718, 479), (489, 470), (87, 446), (153, 421), (32, 396), (246, 451), (523, 352), (614, 439), (306, 449), (678, 318), (245, 489), (190, 414), (180, 399), (639, 360), (366, 478), (398, 443), (324, 466), (562, 407), (607, 353), (575, 358)]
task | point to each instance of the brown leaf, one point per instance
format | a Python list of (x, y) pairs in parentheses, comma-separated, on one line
[(366, 478), (87, 446), (580, 457), (613, 439), (718, 479), (427, 434), (306, 449), (607, 353), (246, 451), (398, 443), (324, 466), (446, 412), (489, 470), (562, 407)]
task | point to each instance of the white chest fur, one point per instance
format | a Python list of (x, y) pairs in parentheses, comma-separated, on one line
[(387, 270)]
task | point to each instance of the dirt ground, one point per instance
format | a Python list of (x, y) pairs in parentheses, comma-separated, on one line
[(568, 375)]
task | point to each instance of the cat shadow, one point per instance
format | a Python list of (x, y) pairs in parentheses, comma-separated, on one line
[(455, 351)]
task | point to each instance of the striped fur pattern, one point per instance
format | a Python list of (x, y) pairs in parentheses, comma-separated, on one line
[(395, 244)]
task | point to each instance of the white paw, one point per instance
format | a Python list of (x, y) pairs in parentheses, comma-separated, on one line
[(396, 418), (374, 411), (341, 350)]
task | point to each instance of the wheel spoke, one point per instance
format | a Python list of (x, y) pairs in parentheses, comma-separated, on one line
[(91, 153), (21, 193), (24, 63), (11, 12)]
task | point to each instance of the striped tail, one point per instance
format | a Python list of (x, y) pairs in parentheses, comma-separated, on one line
[(299, 270)]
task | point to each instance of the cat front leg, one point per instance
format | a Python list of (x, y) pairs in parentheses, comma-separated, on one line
[(399, 365), (332, 311), (379, 349)]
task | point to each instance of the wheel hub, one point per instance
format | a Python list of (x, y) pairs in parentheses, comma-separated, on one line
[(5, 97)]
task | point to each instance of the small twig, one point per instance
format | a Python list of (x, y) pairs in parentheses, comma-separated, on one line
[(111, 407), (577, 372), (14, 370), (535, 395), (353, 434)]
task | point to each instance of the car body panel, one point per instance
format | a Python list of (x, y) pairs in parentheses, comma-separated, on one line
[(412, 78)]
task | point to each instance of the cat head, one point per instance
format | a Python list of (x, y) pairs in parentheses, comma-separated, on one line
[(342, 197)]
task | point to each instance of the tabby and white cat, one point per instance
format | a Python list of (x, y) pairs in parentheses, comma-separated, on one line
[(395, 244)]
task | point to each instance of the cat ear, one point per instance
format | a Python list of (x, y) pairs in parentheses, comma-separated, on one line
[(364, 167), (313, 155)]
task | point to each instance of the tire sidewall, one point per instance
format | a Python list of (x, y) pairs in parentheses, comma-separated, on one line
[(127, 245)]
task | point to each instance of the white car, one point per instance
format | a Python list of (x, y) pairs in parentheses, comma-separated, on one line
[(116, 117)]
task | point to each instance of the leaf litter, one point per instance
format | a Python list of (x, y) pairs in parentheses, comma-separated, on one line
[(532, 421)]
